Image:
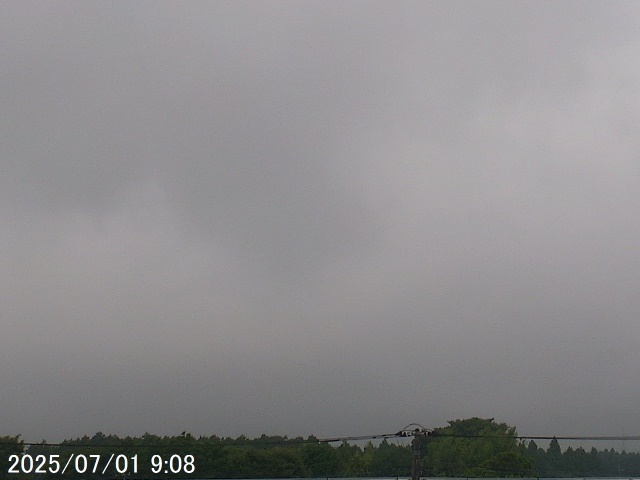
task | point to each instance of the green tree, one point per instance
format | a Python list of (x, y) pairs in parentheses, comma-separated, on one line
[(350, 460), (9, 446), (476, 447), (320, 459)]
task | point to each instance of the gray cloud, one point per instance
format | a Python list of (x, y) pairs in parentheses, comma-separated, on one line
[(318, 218)]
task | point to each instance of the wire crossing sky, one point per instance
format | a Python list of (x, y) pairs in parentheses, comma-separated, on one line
[(318, 218), (353, 438)]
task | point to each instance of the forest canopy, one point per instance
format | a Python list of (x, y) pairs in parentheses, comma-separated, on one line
[(473, 447)]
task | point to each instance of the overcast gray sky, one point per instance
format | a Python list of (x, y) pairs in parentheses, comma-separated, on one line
[(329, 218)]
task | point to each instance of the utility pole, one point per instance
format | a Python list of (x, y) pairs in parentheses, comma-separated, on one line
[(417, 433), (415, 462)]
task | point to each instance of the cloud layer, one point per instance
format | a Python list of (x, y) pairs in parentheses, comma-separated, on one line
[(330, 219)]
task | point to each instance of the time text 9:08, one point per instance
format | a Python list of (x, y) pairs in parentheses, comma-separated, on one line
[(80, 463)]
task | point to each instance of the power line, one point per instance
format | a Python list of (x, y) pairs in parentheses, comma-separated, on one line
[(419, 430)]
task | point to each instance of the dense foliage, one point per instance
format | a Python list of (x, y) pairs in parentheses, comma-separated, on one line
[(9, 446), (473, 447), (476, 448)]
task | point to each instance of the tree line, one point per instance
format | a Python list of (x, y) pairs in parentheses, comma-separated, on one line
[(472, 447)]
